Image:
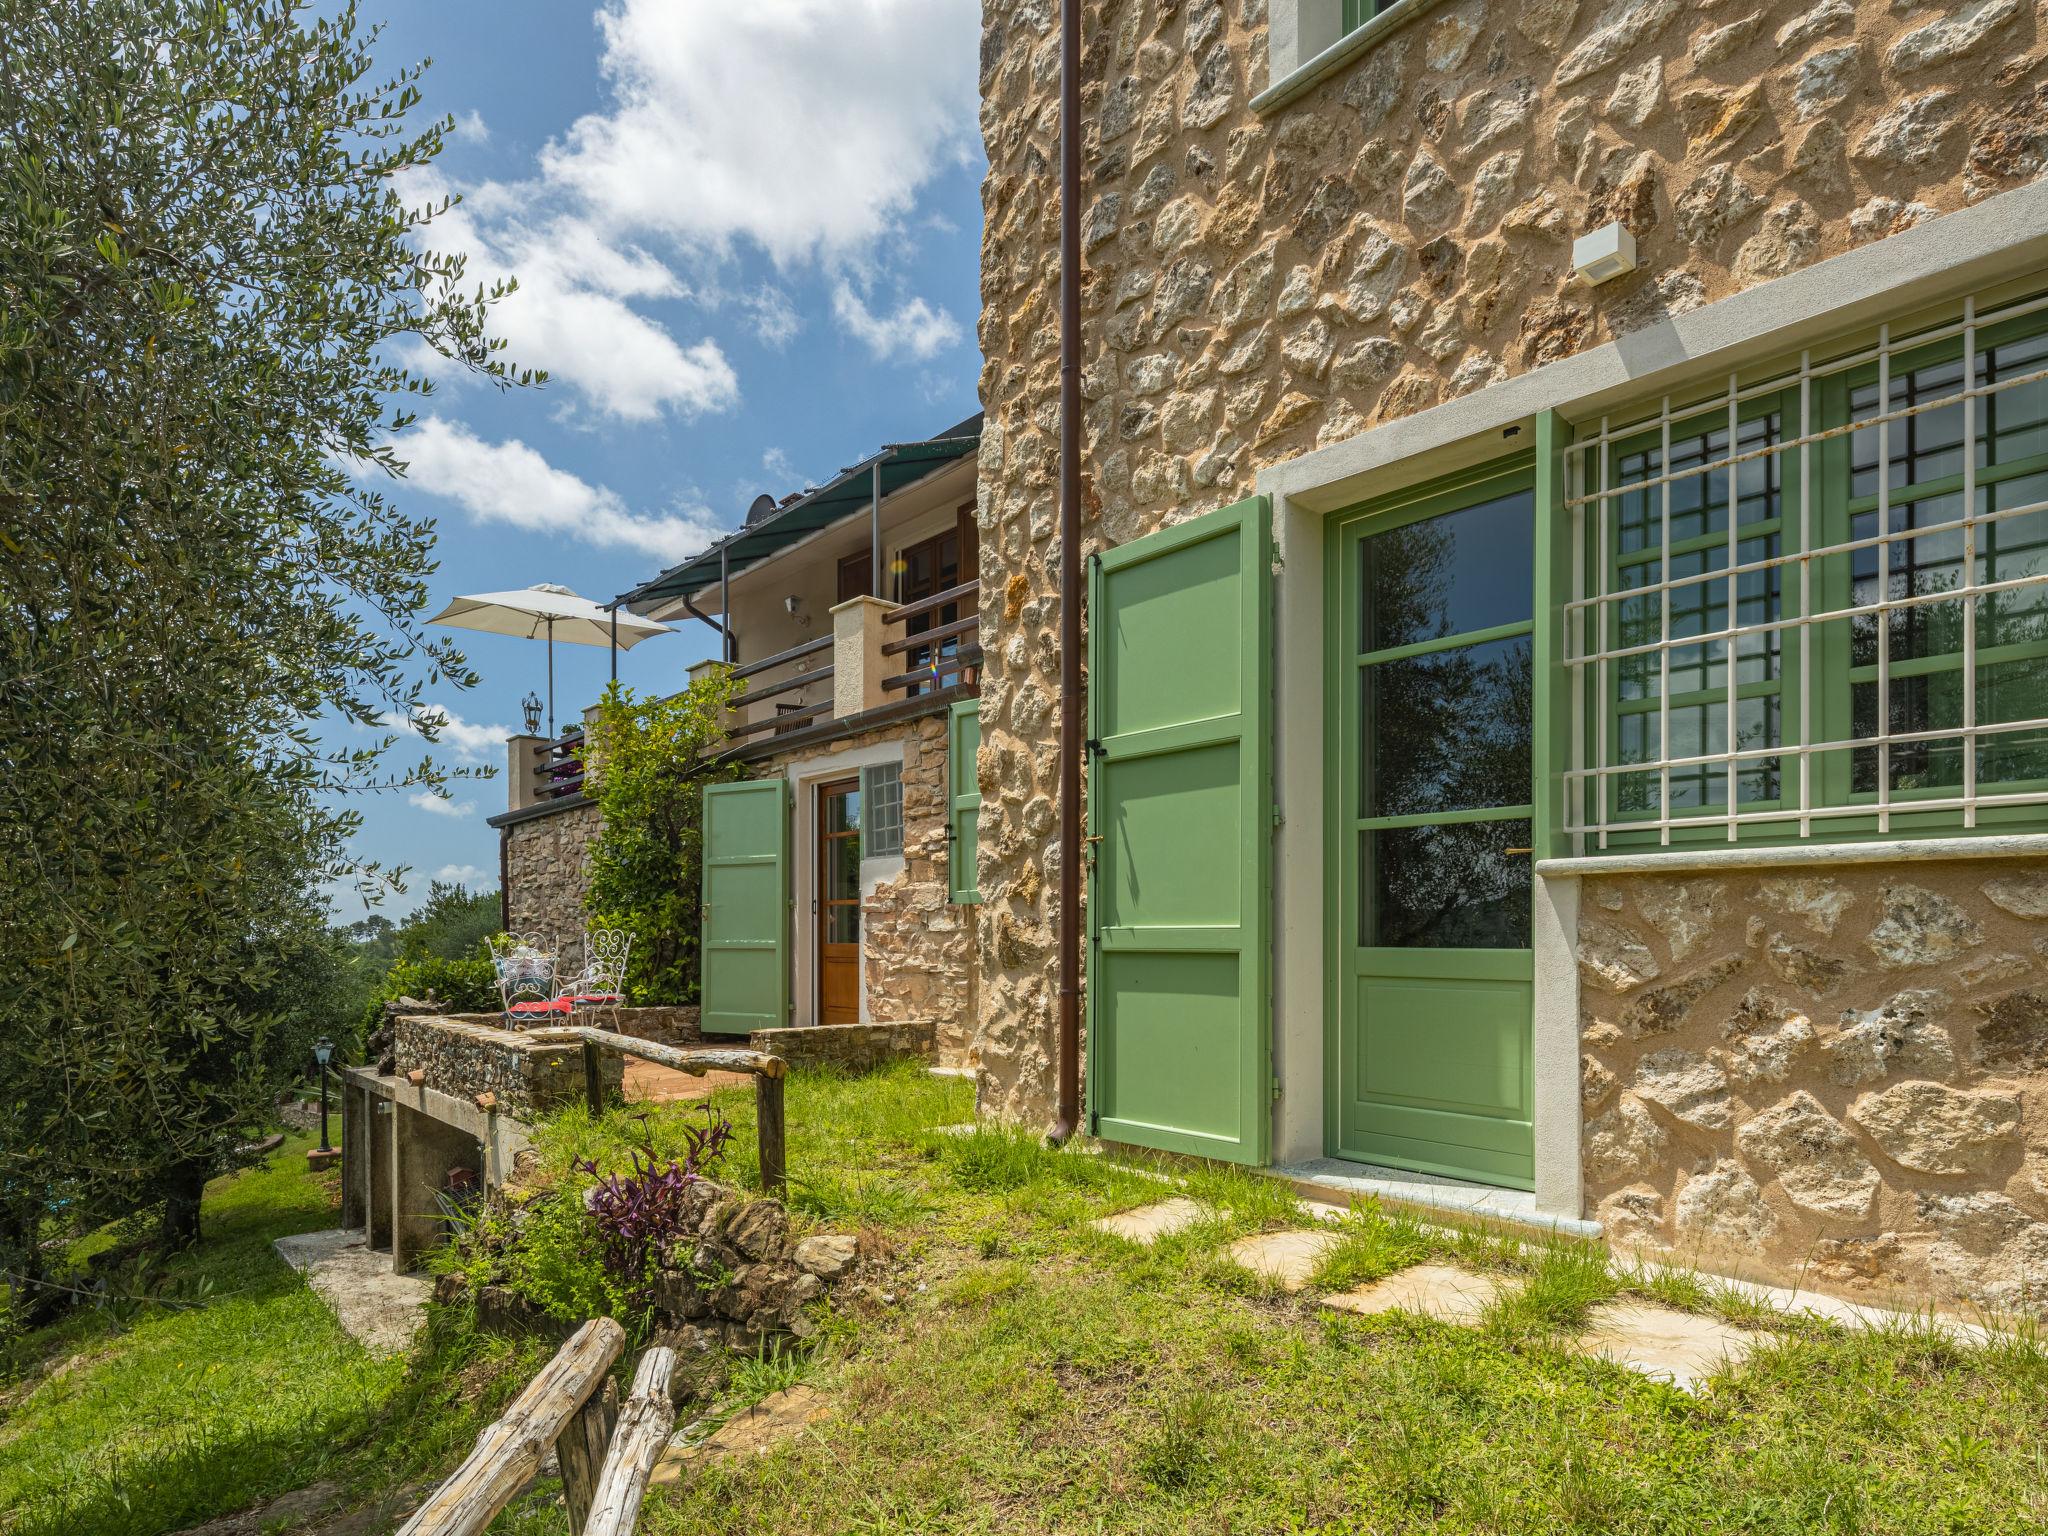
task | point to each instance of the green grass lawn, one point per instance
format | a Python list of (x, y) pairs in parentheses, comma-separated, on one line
[(1034, 1375), (1014, 1371), (190, 1411)]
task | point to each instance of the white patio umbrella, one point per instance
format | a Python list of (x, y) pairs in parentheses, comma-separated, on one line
[(556, 613)]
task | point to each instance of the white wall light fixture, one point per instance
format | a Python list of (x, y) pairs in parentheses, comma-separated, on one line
[(1608, 252)]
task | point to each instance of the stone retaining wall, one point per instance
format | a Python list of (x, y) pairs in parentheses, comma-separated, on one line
[(547, 872), (1837, 1077), (850, 1047), (1397, 236), (663, 1025), (463, 1056)]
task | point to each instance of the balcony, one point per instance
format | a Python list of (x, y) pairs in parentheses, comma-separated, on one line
[(539, 771), (939, 643), (878, 654)]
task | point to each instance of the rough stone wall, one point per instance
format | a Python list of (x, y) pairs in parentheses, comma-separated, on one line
[(849, 1047), (464, 1055), (1398, 236), (547, 873), (918, 946), (1838, 1076)]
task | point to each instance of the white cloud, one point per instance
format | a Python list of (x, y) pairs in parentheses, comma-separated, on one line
[(915, 330), (464, 874), (774, 318), (427, 800), (571, 314), (510, 483), (806, 126), (778, 467), (468, 741), (470, 128)]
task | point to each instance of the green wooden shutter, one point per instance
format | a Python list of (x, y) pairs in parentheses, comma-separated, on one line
[(1180, 812), (746, 907), (963, 789)]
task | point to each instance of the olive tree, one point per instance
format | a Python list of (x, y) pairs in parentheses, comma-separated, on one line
[(208, 260)]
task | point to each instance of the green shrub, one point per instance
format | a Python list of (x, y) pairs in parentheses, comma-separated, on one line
[(465, 986), (648, 772)]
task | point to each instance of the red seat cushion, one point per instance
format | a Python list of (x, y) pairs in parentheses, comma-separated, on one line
[(552, 1005)]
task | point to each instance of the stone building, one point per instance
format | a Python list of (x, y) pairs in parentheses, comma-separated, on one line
[(1612, 710), (833, 889)]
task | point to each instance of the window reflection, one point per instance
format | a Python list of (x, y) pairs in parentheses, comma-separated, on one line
[(1448, 730), (1448, 887), (1450, 575)]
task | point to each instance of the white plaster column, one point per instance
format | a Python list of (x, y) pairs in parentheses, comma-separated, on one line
[(1556, 1110), (1298, 841), (858, 665)]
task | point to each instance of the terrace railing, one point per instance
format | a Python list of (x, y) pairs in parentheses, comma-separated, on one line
[(777, 696), (767, 1071), (936, 641)]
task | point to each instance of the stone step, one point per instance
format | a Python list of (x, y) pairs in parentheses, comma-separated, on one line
[(1288, 1258), (754, 1431), (1147, 1224), (1682, 1348), (1442, 1292)]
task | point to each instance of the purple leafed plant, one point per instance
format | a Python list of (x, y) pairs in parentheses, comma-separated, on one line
[(645, 1213)]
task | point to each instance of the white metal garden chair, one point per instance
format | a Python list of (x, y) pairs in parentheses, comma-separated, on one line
[(602, 984), (525, 972)]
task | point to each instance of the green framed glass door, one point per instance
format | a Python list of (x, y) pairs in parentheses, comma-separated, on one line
[(1431, 692)]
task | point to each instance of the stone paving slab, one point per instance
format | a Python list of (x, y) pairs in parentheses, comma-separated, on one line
[(1287, 1258), (751, 1432), (377, 1308), (1682, 1348), (1442, 1292), (1148, 1223)]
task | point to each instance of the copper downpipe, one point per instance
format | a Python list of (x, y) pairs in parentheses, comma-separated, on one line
[(1068, 1065)]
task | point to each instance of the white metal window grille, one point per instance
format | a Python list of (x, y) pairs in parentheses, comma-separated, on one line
[(1817, 601), (881, 795)]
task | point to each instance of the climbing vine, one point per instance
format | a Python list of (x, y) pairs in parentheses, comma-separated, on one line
[(650, 760)]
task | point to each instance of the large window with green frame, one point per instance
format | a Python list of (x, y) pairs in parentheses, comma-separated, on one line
[(1816, 605)]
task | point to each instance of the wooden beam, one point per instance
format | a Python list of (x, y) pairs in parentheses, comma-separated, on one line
[(936, 600), (932, 636), (695, 1060), (794, 653), (770, 1134), (644, 1427), (509, 1453), (582, 1451), (781, 721)]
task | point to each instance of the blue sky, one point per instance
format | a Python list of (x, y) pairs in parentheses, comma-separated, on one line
[(747, 238)]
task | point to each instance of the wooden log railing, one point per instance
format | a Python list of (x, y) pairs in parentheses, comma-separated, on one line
[(644, 1427), (510, 1452), (794, 653), (607, 1453), (767, 1071)]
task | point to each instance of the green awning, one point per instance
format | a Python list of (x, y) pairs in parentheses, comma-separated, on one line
[(847, 496)]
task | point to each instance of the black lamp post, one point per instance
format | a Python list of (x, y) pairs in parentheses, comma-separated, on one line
[(323, 1052)]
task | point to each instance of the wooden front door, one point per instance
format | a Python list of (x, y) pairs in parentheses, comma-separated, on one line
[(838, 909)]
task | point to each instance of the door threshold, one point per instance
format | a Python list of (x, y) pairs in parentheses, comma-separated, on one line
[(1331, 1180)]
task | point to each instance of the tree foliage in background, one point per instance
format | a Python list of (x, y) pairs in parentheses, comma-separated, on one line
[(439, 949), (206, 254), (647, 864)]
